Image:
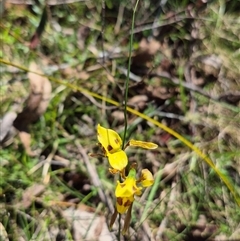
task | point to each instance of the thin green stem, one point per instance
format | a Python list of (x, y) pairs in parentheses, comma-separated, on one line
[(126, 98), (102, 30), (128, 74)]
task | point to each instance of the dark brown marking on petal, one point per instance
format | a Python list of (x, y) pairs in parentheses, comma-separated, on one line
[(109, 148), (119, 201), (103, 149), (116, 141), (127, 203)]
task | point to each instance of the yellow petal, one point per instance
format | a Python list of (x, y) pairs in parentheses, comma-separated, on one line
[(146, 178), (123, 204), (143, 144), (109, 139), (118, 160)]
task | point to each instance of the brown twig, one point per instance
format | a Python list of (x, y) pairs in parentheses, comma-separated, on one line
[(94, 177)]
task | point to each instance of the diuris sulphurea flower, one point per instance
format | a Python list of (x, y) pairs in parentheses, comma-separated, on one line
[(111, 144), (126, 191)]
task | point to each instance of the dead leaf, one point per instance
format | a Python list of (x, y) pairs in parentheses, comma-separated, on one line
[(150, 46), (82, 34), (236, 234), (142, 61), (7, 124), (88, 225), (118, 115), (83, 75), (161, 92), (30, 193), (98, 230), (25, 138), (138, 101), (36, 105), (196, 80), (86, 208), (3, 233), (169, 171)]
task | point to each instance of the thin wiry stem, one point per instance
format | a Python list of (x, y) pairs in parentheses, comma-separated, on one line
[(128, 74), (126, 98), (102, 31)]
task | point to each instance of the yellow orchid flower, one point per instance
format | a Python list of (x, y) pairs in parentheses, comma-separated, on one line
[(125, 192), (125, 196), (111, 143)]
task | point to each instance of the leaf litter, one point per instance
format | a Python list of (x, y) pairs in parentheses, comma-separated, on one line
[(35, 106)]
